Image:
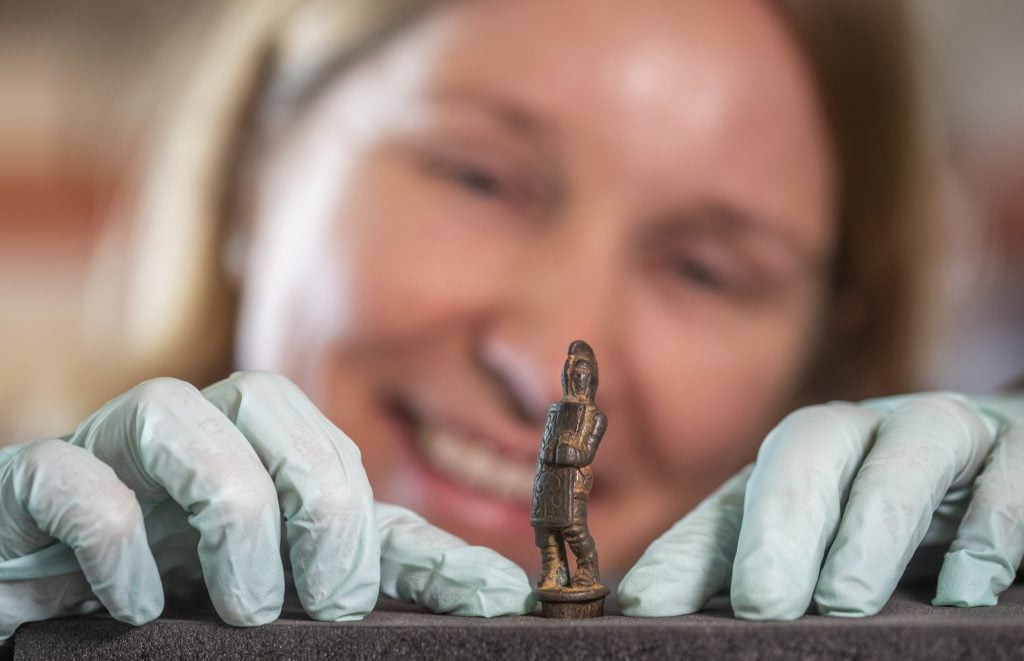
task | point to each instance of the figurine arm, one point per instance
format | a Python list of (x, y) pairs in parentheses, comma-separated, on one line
[(569, 455), (596, 434)]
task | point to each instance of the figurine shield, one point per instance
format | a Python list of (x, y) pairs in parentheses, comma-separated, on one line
[(553, 484), (552, 497), (566, 419)]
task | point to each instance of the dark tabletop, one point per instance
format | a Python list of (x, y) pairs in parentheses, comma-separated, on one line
[(908, 627)]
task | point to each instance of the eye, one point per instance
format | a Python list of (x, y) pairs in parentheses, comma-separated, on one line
[(702, 274), (720, 257), (492, 179), (476, 179)]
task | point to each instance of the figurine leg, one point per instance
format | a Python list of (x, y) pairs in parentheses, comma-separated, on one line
[(554, 569), (582, 544)]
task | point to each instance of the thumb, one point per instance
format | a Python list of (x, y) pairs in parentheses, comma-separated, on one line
[(423, 564), (681, 570)]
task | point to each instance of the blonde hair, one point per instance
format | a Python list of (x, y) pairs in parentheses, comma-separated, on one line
[(162, 299), (264, 57)]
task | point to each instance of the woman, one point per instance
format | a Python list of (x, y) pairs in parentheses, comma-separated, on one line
[(364, 282), (425, 203)]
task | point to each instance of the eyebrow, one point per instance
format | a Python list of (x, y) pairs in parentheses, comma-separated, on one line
[(721, 218), (515, 116)]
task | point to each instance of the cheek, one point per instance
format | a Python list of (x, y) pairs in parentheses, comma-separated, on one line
[(416, 260), (718, 388)]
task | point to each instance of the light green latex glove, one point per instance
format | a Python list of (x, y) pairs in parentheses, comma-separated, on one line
[(167, 481), (838, 501)]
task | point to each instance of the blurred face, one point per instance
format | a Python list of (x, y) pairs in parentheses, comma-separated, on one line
[(432, 232)]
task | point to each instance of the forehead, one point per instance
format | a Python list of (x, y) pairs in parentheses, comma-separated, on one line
[(670, 93), (630, 51)]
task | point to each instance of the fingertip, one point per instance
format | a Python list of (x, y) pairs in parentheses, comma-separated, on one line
[(345, 602), (113, 551), (505, 593), (766, 585), (516, 602), (246, 590), (631, 590), (240, 614), (141, 611), (848, 596), (476, 581), (969, 578), (337, 570), (767, 602), (506, 590), (841, 610), (644, 592)]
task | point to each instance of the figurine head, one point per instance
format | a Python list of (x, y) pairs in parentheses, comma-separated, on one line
[(579, 377)]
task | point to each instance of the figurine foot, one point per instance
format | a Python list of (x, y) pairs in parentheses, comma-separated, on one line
[(554, 580), (586, 575)]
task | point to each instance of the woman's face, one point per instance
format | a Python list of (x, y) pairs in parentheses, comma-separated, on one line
[(432, 232)]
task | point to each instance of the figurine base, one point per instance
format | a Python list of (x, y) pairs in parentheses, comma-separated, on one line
[(573, 603)]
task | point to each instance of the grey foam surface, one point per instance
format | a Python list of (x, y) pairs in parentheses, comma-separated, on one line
[(908, 627)]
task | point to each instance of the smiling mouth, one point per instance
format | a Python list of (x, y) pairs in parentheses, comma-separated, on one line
[(473, 463)]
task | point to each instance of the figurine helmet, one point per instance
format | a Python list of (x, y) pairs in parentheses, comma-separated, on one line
[(579, 378)]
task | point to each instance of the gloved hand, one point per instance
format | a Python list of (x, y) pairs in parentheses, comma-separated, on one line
[(840, 497), (167, 481)]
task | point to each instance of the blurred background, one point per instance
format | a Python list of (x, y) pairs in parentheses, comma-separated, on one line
[(83, 83)]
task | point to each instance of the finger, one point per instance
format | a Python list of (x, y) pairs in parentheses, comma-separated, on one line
[(681, 570), (164, 438), (792, 507), (989, 546), (423, 564), (55, 491), (925, 447), (326, 498)]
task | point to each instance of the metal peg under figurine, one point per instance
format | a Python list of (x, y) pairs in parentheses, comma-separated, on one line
[(561, 488)]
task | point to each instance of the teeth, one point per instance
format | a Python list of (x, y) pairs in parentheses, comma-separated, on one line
[(474, 464)]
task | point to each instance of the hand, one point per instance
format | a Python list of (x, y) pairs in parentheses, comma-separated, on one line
[(167, 481), (567, 455), (859, 487)]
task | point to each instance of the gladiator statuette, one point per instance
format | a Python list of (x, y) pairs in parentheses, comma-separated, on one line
[(560, 490)]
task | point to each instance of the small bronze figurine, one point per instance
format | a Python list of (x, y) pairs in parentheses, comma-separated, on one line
[(560, 490)]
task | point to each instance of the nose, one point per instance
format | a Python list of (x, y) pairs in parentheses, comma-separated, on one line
[(568, 286)]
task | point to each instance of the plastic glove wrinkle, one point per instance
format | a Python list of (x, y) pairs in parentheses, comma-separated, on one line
[(144, 420), (21, 533), (962, 427)]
